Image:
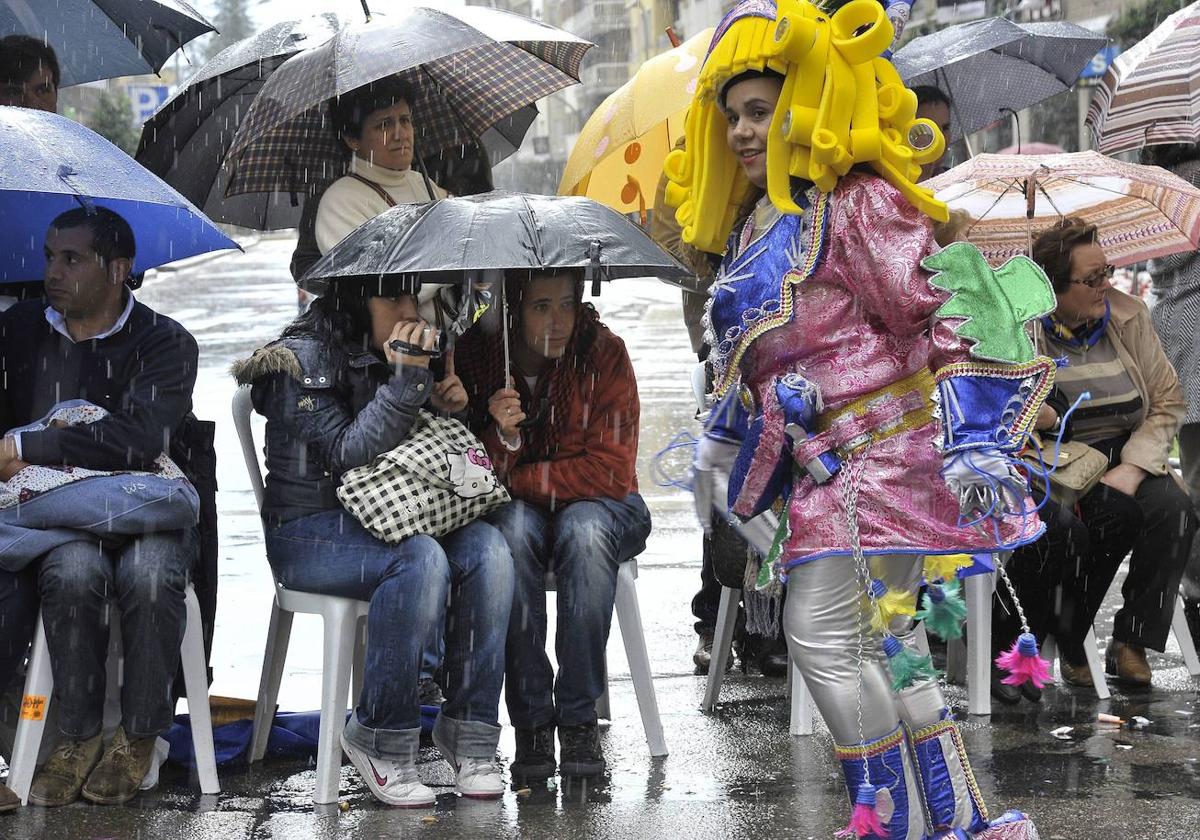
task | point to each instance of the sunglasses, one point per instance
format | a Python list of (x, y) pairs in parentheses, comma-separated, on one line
[(1097, 278)]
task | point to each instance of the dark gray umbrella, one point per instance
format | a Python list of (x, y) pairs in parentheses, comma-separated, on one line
[(471, 68), (988, 67), (439, 241), (455, 239), (104, 39)]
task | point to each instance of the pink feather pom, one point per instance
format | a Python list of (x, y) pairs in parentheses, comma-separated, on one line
[(1024, 664), (864, 819)]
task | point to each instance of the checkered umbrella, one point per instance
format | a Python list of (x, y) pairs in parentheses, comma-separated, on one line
[(472, 68)]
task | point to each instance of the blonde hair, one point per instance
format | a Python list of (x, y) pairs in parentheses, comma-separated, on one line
[(841, 104)]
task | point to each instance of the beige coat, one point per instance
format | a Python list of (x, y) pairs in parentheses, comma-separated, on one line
[(1142, 354)]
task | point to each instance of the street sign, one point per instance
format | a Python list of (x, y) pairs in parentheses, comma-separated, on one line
[(1099, 63), (144, 100)]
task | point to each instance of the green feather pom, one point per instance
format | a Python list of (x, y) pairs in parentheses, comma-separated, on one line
[(906, 666), (944, 618)]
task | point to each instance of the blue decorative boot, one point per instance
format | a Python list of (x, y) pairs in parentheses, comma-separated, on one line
[(952, 797), (896, 800)]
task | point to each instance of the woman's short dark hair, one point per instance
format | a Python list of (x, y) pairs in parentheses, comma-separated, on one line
[(21, 56), (930, 95), (349, 111), (1167, 155), (745, 76), (1053, 248), (112, 237)]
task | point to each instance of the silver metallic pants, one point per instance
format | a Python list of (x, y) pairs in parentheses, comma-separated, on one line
[(826, 626)]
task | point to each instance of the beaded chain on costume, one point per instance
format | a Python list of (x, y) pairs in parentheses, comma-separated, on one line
[(852, 472), (1012, 592)]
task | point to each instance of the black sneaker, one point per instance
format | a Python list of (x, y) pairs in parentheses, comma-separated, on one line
[(429, 693), (535, 754), (581, 754)]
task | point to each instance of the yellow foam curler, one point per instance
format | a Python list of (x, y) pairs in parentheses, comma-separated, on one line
[(865, 142), (861, 31), (936, 147), (794, 38), (779, 179)]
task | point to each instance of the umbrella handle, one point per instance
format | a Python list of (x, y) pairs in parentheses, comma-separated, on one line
[(366, 10)]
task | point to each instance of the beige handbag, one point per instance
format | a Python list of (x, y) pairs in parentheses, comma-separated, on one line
[(1079, 469)]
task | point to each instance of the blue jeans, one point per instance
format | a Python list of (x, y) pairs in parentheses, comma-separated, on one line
[(582, 543), (146, 576), (408, 585)]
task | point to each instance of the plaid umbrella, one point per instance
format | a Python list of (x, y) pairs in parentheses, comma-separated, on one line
[(1141, 212), (472, 67), (104, 39), (990, 66), (1151, 93)]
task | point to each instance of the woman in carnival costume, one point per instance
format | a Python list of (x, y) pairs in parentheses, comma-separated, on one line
[(871, 387)]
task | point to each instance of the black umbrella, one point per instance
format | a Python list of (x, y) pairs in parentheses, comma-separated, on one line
[(993, 66), (471, 67), (186, 140), (454, 239), (104, 39)]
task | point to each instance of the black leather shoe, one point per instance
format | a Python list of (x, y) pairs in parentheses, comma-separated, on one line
[(1009, 695), (773, 664), (535, 754)]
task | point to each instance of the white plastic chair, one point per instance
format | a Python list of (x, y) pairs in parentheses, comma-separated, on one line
[(39, 686), (343, 647), (629, 620)]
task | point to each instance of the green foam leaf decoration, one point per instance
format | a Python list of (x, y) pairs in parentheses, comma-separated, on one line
[(995, 304)]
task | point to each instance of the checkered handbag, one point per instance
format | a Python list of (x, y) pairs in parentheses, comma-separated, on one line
[(437, 480)]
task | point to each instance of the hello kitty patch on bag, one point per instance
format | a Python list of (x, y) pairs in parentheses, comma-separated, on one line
[(437, 480)]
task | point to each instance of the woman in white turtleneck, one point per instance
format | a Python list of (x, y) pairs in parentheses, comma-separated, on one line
[(376, 123)]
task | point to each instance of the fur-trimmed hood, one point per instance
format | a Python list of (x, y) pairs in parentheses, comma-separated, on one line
[(266, 361)]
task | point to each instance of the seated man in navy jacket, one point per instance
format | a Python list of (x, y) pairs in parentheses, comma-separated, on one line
[(95, 342)]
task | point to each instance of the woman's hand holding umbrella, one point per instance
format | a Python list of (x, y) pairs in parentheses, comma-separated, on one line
[(505, 408)]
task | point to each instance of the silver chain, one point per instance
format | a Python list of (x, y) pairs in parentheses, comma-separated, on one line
[(1012, 592), (852, 472)]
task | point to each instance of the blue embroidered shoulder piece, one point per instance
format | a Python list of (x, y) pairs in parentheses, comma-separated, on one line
[(754, 289)]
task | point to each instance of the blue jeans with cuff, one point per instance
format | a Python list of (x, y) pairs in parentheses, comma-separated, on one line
[(408, 585)]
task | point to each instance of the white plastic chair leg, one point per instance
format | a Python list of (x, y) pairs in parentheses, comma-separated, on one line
[(35, 705), (629, 616), (195, 679), (979, 643), (279, 632), (1183, 636), (722, 646), (340, 623), (801, 722), (1091, 650), (921, 638)]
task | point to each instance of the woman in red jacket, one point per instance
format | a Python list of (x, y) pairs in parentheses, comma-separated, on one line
[(563, 436)]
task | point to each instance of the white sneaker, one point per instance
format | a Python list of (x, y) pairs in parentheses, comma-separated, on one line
[(476, 778), (392, 782)]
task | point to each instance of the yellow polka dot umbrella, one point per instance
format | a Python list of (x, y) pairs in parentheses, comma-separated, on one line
[(618, 157)]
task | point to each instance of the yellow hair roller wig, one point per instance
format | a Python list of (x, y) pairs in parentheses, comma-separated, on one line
[(841, 105)]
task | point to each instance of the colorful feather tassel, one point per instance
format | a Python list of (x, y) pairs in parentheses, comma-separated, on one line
[(945, 566), (864, 819), (1024, 664), (906, 666), (943, 610), (889, 604)]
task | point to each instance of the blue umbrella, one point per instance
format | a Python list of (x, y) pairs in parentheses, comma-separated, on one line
[(56, 164)]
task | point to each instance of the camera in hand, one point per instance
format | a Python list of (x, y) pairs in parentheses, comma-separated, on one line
[(439, 346)]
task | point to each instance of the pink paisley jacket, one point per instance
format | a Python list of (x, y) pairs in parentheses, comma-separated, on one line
[(863, 319)]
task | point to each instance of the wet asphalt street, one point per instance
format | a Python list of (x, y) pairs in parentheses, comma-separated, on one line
[(734, 774)]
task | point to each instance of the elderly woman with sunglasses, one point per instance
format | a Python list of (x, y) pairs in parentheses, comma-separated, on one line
[(1130, 408)]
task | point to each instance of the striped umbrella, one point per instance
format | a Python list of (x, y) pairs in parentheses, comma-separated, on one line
[(1151, 93), (1141, 212)]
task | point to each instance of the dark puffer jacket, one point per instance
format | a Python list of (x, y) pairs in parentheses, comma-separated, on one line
[(328, 410)]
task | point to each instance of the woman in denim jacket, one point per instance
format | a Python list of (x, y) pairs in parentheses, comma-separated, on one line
[(336, 396)]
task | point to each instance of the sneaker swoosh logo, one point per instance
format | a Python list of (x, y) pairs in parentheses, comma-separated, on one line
[(379, 780)]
